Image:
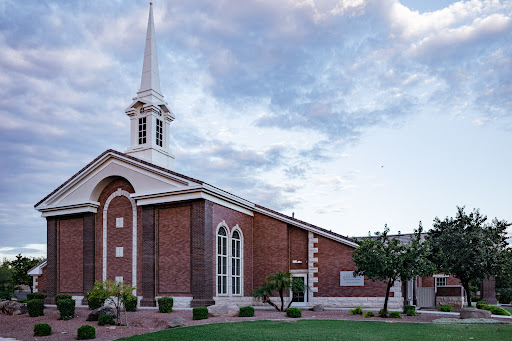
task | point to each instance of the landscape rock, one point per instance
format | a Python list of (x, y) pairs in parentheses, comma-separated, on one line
[(223, 310), (13, 308), (177, 322), (473, 313), (93, 316), (318, 307)]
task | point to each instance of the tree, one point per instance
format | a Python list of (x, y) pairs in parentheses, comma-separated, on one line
[(7, 286), (20, 266), (113, 292), (468, 247), (280, 282), (389, 259)]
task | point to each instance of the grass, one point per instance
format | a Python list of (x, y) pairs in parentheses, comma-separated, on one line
[(330, 330), (507, 309)]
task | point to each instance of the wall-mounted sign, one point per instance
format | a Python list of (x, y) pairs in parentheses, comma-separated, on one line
[(347, 279)]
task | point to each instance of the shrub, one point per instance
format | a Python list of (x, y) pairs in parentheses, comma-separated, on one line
[(130, 303), (395, 315), (62, 297), (293, 312), (369, 314), (446, 308), (86, 332), (165, 304), (105, 319), (475, 298), (66, 308), (94, 302), (481, 304), (505, 295), (409, 307), (35, 307), (497, 310), (246, 312), (383, 313), (199, 313), (42, 329), (411, 313), (356, 311), (36, 296)]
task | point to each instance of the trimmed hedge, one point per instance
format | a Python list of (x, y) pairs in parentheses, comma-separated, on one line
[(130, 303), (36, 296), (86, 332), (105, 319), (66, 308), (199, 313), (42, 329), (35, 307), (94, 303), (62, 297), (293, 312), (165, 304), (246, 312)]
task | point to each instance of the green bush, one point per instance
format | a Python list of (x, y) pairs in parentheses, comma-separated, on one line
[(369, 314), (505, 295), (411, 313), (36, 296), (497, 310), (446, 308), (356, 311), (199, 313), (35, 307), (293, 312), (42, 329), (105, 319), (62, 297), (66, 308), (165, 304), (475, 298), (246, 312), (481, 304), (383, 313), (130, 302), (86, 332), (409, 307), (93, 302), (395, 315)]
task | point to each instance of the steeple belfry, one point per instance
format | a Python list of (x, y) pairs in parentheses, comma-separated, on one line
[(149, 114)]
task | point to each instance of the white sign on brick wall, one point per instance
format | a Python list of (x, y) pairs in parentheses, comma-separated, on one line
[(119, 222), (119, 251), (347, 279)]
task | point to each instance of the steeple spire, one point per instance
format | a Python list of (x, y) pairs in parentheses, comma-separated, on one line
[(149, 114), (150, 76)]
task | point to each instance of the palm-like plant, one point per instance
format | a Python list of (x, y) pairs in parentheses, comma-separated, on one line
[(280, 282)]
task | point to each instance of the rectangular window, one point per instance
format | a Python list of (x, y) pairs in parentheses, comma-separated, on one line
[(142, 130), (440, 281), (159, 132)]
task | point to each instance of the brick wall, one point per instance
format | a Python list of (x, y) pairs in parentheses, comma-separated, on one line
[(120, 207), (70, 256), (449, 291), (270, 248), (334, 257), (298, 247), (173, 250), (245, 223), (41, 281)]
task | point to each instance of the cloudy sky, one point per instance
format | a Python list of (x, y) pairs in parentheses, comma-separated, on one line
[(352, 114)]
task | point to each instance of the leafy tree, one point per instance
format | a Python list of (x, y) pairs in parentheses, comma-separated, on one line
[(280, 282), (7, 286), (20, 266), (113, 292), (468, 247), (388, 259)]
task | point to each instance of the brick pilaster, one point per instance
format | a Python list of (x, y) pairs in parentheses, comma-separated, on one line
[(51, 259), (148, 257), (89, 253), (489, 290), (201, 236)]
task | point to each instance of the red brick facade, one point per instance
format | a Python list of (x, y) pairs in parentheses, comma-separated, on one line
[(298, 246), (69, 248)]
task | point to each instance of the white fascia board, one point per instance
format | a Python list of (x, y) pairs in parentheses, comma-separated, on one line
[(95, 167), (50, 211), (205, 191), (37, 270), (306, 227)]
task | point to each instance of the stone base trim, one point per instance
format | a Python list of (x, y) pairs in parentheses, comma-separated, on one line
[(240, 301), (456, 301), (179, 301), (363, 302), (201, 303)]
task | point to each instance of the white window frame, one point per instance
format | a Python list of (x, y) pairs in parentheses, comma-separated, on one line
[(303, 275), (219, 256), (159, 132), (436, 277), (142, 136), (234, 258)]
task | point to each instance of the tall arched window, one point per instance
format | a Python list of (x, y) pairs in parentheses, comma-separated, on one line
[(222, 261), (236, 264)]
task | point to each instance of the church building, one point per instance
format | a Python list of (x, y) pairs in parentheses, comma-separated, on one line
[(130, 217)]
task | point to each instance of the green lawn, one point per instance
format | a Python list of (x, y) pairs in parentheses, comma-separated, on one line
[(331, 330), (508, 309)]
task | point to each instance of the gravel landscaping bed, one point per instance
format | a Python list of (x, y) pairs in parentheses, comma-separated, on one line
[(148, 320)]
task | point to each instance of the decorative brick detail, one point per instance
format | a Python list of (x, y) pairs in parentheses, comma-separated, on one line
[(299, 246), (201, 253), (313, 265), (51, 255), (70, 255), (148, 257), (89, 252), (488, 290)]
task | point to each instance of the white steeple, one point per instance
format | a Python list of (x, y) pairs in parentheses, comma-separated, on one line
[(149, 113)]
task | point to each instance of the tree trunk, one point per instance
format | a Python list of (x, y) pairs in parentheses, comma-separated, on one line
[(388, 288), (267, 300), (465, 285), (282, 298)]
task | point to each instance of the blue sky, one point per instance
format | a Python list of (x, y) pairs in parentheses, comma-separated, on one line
[(352, 114)]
